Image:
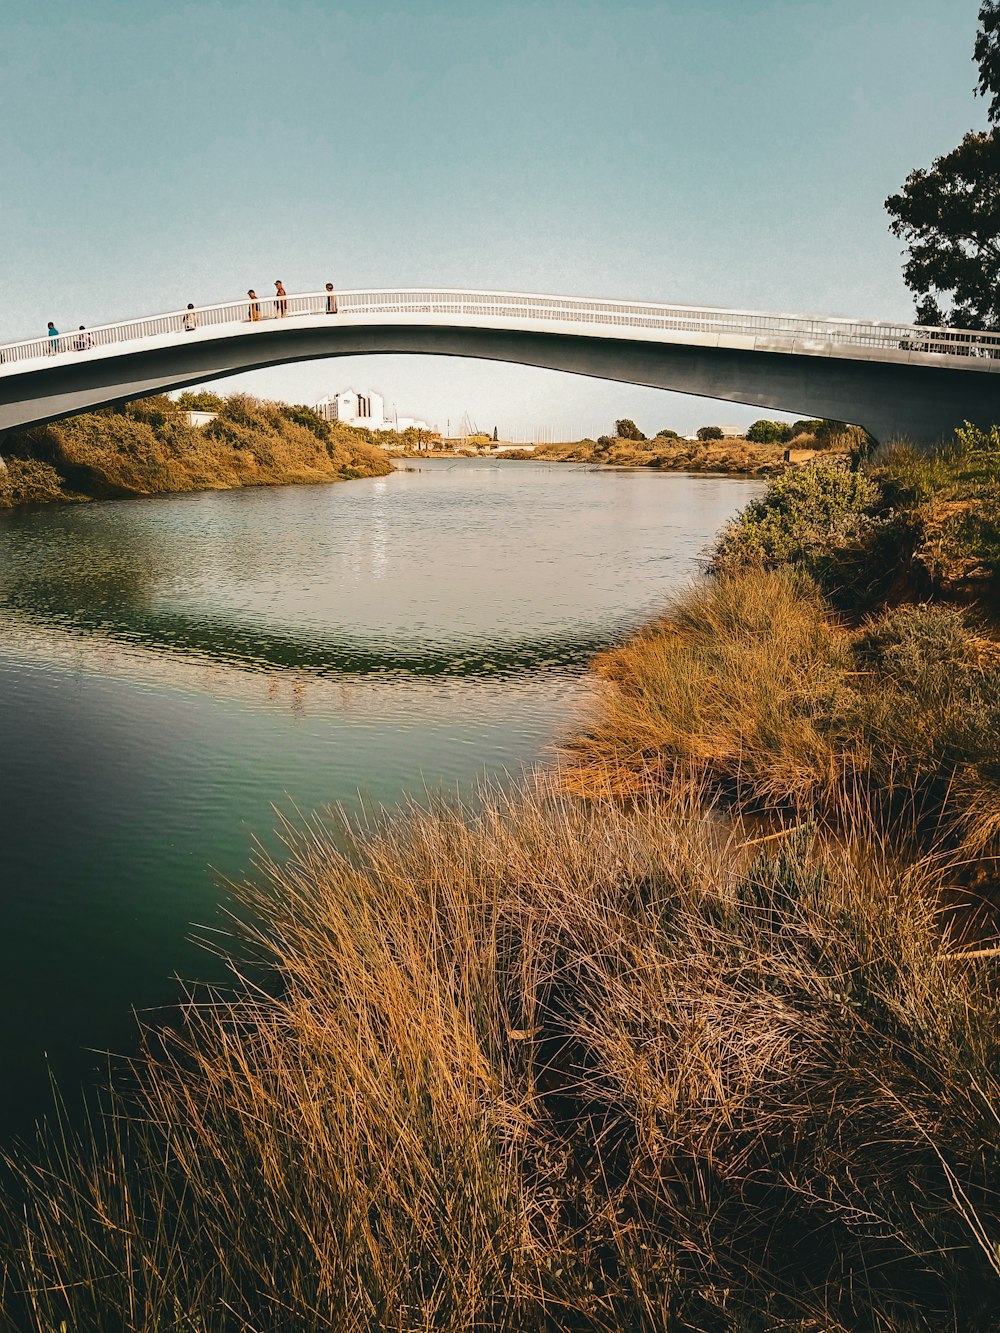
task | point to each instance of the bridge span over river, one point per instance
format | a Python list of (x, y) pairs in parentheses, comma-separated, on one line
[(895, 379)]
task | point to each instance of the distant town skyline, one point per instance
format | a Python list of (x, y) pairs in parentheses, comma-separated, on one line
[(717, 152)]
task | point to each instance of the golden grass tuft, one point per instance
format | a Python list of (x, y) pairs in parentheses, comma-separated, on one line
[(734, 677)]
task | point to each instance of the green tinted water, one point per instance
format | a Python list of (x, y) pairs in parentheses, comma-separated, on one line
[(171, 670)]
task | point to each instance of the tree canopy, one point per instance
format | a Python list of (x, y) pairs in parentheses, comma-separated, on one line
[(986, 54), (628, 430), (949, 214), (769, 432)]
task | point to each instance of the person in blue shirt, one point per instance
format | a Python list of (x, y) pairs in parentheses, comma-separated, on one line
[(53, 339)]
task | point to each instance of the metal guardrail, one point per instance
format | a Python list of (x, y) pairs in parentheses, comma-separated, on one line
[(598, 312)]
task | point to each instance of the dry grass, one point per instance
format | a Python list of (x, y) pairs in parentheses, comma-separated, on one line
[(738, 677), (751, 676), (549, 1068)]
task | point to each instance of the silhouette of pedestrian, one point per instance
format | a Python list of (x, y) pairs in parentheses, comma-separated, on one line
[(190, 319), (254, 305), (83, 341), (53, 339), (331, 299), (280, 304)]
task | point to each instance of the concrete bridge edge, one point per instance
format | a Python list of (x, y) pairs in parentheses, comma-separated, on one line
[(889, 399)]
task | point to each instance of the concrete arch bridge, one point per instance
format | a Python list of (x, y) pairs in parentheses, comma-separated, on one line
[(895, 379)]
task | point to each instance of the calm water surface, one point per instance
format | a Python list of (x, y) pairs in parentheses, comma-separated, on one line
[(172, 670)]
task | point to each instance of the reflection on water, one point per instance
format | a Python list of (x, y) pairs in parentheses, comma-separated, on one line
[(172, 669)]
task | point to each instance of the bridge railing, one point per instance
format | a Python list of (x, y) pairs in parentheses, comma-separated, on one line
[(599, 313)]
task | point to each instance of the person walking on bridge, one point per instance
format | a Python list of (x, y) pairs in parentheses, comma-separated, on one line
[(254, 306), (190, 319), (331, 299), (280, 303), (53, 333), (83, 341)]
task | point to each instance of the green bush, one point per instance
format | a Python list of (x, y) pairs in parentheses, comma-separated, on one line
[(306, 416), (825, 519), (769, 432), (809, 426), (628, 430), (200, 402), (667, 435), (709, 433)]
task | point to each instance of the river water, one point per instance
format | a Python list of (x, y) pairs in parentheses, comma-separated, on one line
[(175, 670)]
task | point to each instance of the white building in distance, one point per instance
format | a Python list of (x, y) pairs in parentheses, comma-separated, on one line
[(363, 409)]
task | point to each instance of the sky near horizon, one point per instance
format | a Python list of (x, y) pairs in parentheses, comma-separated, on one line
[(707, 152)]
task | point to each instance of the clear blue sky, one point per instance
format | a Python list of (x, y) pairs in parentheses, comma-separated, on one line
[(722, 152)]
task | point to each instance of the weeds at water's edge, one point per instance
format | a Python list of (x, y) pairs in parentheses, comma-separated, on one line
[(550, 1067), (750, 676)]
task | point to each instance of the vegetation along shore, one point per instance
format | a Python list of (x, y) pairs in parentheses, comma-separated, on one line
[(697, 1030), (155, 446), (766, 448), (150, 447)]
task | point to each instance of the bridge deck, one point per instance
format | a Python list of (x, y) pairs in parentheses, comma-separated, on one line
[(629, 320)]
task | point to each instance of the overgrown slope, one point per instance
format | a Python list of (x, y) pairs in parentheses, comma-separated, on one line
[(148, 447)]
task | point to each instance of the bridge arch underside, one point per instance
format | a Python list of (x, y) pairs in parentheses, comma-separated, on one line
[(920, 402)]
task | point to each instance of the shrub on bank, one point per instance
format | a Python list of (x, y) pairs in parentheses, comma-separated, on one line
[(550, 1068), (666, 451), (953, 495), (827, 519), (28, 481)]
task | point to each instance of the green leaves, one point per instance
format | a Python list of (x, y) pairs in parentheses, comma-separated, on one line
[(949, 215), (986, 54)]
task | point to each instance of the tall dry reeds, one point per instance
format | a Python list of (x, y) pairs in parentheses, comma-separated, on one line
[(548, 1067)]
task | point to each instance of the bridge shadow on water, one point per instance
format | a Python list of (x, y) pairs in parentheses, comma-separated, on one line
[(256, 648)]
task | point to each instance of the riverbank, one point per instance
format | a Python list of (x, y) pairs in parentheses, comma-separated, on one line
[(149, 447), (733, 456), (677, 1036)]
